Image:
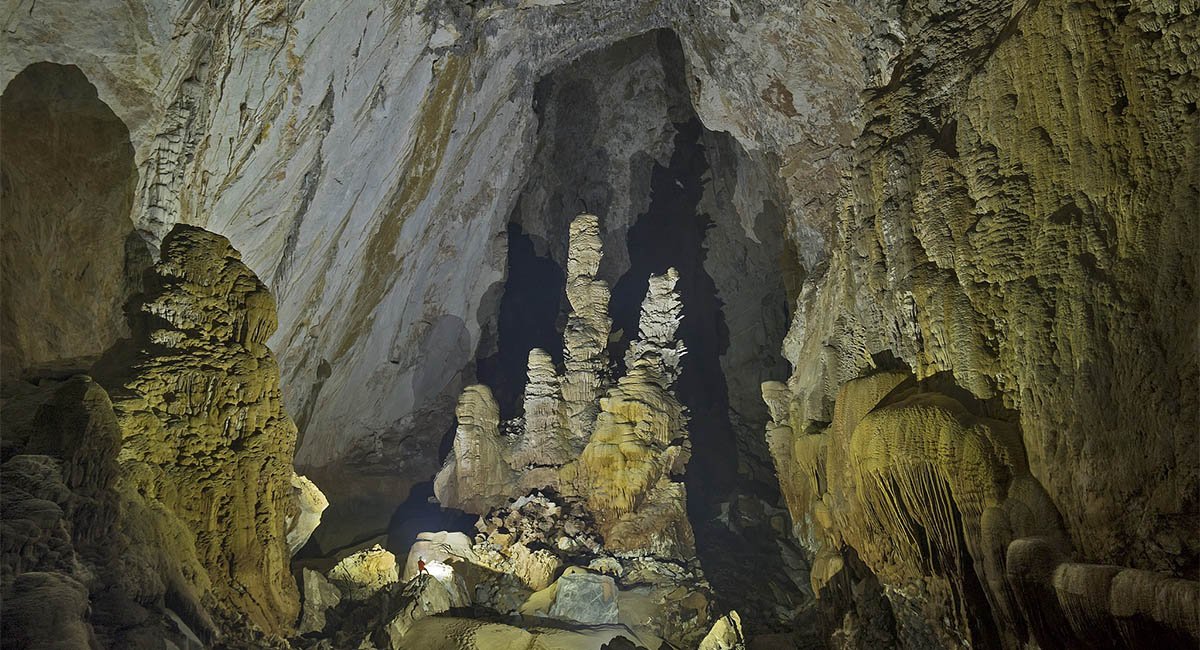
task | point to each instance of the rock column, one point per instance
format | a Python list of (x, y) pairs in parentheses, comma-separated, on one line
[(588, 326)]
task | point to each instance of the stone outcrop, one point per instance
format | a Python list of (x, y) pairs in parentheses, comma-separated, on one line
[(363, 574), (319, 595), (615, 477), (639, 444), (585, 598), (994, 191), (726, 634), (127, 496), (310, 503), (937, 500)]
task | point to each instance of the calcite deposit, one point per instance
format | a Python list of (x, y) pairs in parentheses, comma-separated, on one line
[(613, 453)]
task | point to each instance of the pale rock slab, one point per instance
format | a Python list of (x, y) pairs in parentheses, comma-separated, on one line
[(726, 634), (310, 502), (547, 438), (361, 575), (319, 596)]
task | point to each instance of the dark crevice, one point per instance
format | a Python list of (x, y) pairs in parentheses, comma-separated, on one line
[(534, 293)]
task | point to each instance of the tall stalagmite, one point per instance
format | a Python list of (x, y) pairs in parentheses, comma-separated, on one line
[(205, 434)]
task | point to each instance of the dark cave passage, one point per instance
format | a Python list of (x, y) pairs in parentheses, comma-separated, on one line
[(534, 293)]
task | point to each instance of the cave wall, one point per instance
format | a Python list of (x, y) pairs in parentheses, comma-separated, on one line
[(1002, 191), (1019, 222), (1038, 242)]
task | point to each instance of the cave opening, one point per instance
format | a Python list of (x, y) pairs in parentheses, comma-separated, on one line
[(68, 251)]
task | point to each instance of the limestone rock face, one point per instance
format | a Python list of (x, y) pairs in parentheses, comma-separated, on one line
[(310, 503), (616, 503), (938, 502), (205, 434), (441, 546), (450, 633), (656, 346), (639, 441), (1031, 245), (367, 184)]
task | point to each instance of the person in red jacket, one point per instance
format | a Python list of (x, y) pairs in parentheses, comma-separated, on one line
[(421, 566)]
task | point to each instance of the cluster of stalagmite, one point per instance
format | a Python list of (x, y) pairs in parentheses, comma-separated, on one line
[(612, 453), (636, 447), (619, 445), (935, 497), (175, 494)]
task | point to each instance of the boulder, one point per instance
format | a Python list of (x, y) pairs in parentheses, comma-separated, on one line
[(310, 503), (585, 598), (361, 575), (319, 596), (726, 634)]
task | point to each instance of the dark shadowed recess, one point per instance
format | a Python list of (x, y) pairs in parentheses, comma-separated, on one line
[(68, 255), (671, 234), (534, 293)]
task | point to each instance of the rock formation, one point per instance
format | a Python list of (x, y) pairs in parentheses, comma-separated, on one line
[(726, 634), (363, 574), (128, 502), (938, 502), (976, 222), (585, 342), (612, 454), (548, 440), (639, 444), (479, 473), (205, 434), (310, 503)]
